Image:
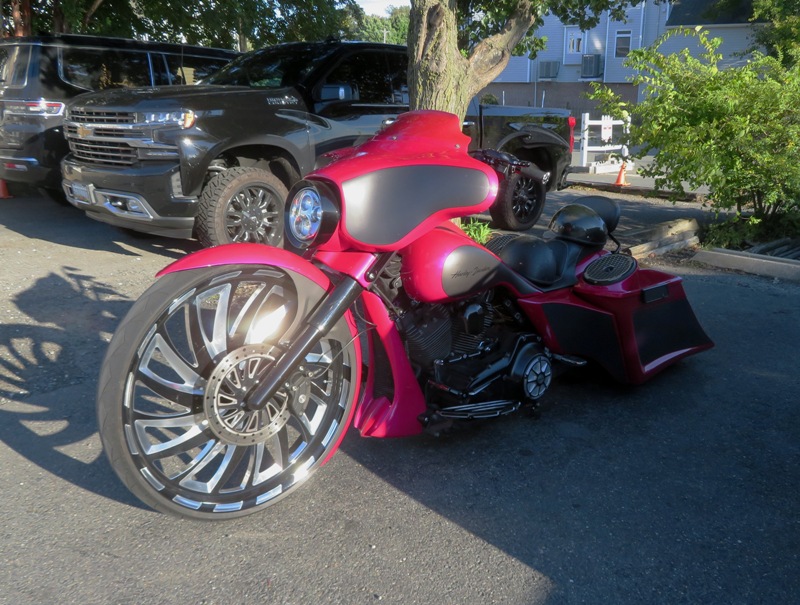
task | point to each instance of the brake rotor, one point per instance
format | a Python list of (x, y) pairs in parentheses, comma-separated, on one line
[(224, 402)]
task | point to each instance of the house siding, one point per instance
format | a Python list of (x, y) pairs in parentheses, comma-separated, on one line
[(522, 83)]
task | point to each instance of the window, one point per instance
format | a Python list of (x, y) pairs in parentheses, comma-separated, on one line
[(623, 44), (14, 65), (271, 67), (190, 70), (100, 68), (574, 45), (362, 77), (398, 77)]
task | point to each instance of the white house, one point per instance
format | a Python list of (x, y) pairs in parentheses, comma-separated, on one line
[(559, 76)]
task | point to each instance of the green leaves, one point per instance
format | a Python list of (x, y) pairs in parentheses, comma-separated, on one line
[(732, 129), (221, 23)]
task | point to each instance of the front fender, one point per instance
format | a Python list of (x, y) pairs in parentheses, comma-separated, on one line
[(248, 254)]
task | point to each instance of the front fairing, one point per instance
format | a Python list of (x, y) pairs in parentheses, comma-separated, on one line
[(410, 177)]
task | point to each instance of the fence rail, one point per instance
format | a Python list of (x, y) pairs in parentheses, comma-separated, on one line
[(606, 124)]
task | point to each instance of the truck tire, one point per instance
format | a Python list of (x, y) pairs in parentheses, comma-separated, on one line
[(519, 203), (242, 205)]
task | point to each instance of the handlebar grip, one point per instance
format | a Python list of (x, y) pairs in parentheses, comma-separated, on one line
[(532, 171)]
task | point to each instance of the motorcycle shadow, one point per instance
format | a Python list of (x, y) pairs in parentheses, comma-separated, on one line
[(524, 482)]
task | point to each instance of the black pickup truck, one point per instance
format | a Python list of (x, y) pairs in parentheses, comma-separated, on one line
[(215, 160)]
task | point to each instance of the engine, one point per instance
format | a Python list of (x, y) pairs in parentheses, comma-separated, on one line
[(475, 358)]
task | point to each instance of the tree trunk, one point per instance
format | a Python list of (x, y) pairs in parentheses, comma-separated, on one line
[(60, 25), (21, 15), (439, 76)]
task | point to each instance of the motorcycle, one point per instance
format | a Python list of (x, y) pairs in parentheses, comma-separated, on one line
[(237, 373)]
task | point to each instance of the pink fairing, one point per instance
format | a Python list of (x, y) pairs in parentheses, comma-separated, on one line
[(379, 416), (372, 182)]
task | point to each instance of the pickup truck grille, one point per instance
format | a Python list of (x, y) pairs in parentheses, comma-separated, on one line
[(94, 116), (110, 138), (103, 152)]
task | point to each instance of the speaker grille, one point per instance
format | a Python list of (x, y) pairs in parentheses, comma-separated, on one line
[(609, 269)]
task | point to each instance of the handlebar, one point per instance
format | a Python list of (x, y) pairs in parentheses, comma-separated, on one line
[(507, 164)]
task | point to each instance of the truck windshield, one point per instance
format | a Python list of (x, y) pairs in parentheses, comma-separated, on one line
[(273, 67)]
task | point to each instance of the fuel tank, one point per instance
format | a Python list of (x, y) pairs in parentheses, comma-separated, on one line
[(447, 265)]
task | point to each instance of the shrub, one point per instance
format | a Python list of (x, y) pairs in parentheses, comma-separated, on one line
[(735, 130)]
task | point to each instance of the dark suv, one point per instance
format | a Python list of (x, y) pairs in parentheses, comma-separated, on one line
[(39, 74)]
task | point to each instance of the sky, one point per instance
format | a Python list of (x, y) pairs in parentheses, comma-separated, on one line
[(378, 7)]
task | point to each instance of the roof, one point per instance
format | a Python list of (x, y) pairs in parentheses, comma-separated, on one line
[(709, 12), (113, 42)]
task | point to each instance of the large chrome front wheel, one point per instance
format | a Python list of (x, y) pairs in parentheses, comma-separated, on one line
[(172, 400)]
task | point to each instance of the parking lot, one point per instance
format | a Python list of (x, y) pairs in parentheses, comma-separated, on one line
[(683, 490)]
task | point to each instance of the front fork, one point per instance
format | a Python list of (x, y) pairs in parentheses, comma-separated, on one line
[(331, 310)]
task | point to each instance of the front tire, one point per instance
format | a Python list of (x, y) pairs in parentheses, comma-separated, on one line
[(519, 203), (172, 388), (242, 205)]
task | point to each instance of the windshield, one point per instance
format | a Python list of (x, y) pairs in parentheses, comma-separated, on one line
[(273, 67)]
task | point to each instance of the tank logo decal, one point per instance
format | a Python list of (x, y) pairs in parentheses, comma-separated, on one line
[(462, 273), (467, 269)]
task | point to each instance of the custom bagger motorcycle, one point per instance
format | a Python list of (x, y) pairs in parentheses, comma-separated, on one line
[(235, 376)]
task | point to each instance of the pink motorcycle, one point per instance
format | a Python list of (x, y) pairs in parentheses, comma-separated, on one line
[(236, 375)]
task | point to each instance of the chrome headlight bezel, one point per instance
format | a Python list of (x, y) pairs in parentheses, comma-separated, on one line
[(312, 213)]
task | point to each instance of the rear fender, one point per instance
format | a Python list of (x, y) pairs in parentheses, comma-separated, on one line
[(259, 254)]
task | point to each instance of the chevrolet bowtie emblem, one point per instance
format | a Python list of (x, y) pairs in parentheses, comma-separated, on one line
[(84, 131)]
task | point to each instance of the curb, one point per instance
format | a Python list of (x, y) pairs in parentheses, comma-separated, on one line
[(663, 237), (636, 190), (758, 264)]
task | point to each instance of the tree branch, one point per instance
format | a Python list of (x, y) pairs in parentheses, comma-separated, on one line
[(90, 13), (492, 54)]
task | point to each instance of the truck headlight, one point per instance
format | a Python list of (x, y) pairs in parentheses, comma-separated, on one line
[(311, 214), (184, 118)]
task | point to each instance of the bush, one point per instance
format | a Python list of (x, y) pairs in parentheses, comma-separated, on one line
[(735, 130)]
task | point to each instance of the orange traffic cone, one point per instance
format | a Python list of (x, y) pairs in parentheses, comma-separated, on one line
[(621, 181), (4, 194)]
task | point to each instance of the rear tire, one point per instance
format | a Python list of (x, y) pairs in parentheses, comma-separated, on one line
[(242, 205), (171, 394), (519, 203)]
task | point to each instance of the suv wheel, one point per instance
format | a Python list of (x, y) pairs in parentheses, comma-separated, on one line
[(519, 203), (242, 205)]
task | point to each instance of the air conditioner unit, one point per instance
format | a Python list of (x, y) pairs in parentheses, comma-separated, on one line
[(548, 69), (591, 66)]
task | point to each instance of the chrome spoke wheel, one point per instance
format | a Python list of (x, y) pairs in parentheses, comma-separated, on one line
[(253, 215), (241, 205), (190, 441)]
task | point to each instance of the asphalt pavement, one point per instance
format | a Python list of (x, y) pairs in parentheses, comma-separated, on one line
[(682, 490)]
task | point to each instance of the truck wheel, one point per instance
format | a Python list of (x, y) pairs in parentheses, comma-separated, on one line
[(242, 205), (519, 203)]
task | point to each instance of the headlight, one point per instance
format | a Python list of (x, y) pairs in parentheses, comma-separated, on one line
[(305, 215), (311, 214), (185, 118)]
